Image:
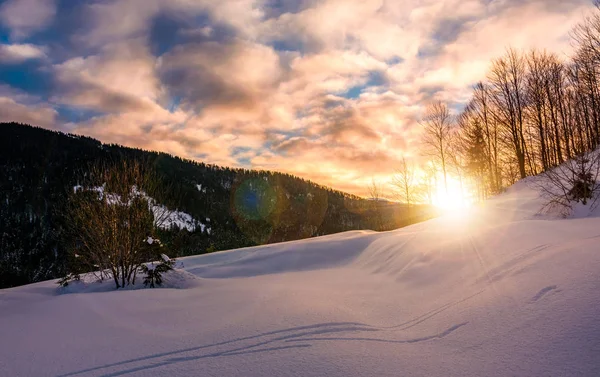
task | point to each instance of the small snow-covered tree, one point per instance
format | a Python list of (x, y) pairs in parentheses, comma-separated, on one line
[(154, 271)]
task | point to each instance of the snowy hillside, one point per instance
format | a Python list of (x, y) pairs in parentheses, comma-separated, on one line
[(498, 291)]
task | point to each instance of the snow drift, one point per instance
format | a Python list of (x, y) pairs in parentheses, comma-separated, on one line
[(498, 291)]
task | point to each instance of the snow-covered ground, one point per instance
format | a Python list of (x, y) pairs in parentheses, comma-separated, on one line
[(497, 291)]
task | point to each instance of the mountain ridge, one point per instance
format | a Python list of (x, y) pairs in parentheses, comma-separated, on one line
[(42, 166)]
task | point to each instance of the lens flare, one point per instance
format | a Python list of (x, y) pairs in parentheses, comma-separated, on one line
[(254, 199), (267, 210)]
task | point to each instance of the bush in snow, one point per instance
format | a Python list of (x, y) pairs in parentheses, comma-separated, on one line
[(65, 280), (111, 225), (575, 181), (583, 187)]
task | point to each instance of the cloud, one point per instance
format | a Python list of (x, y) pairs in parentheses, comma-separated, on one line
[(25, 17), (17, 53), (115, 21), (326, 89), (39, 115), (230, 74), (120, 78)]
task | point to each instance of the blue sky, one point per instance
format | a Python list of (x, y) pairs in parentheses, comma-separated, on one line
[(329, 90)]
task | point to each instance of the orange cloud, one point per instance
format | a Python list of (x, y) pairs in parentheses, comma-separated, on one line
[(329, 90)]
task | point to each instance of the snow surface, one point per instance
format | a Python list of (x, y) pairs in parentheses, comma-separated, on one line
[(498, 291), (166, 217), (175, 279)]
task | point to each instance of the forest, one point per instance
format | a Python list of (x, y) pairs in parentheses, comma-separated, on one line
[(534, 111), (225, 208)]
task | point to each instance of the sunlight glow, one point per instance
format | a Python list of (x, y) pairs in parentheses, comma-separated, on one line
[(454, 198)]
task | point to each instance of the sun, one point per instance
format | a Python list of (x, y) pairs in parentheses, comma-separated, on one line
[(452, 198)]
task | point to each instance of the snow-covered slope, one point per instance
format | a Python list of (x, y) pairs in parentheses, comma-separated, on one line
[(498, 291)]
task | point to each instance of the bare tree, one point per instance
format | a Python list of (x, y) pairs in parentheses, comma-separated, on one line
[(428, 182), (480, 108), (536, 90), (437, 126), (585, 76), (405, 183), (507, 79), (586, 35), (113, 222), (376, 195)]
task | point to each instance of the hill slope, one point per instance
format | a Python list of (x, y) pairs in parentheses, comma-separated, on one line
[(226, 208), (500, 292)]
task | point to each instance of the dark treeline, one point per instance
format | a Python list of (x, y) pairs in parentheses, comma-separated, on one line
[(232, 207), (534, 111)]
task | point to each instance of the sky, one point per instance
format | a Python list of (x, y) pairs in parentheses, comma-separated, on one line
[(329, 90)]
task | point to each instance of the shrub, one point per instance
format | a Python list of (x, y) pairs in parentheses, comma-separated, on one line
[(571, 182), (582, 188), (112, 222), (154, 272), (65, 280)]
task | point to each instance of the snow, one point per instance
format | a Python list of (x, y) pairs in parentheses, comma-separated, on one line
[(89, 283), (182, 220), (165, 218), (169, 218), (500, 291)]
